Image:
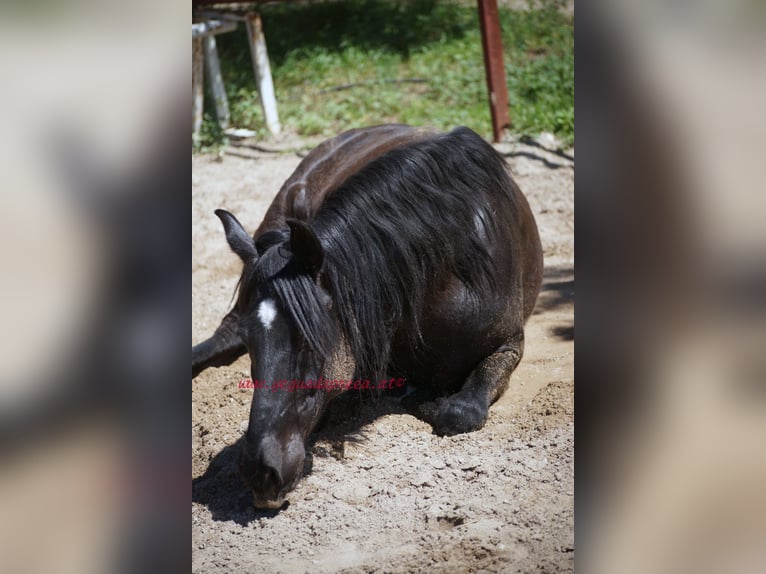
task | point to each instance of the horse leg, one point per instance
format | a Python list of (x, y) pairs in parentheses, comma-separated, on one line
[(468, 409), (223, 348)]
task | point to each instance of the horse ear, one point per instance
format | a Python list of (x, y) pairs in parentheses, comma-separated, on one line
[(306, 247), (240, 242), (301, 205)]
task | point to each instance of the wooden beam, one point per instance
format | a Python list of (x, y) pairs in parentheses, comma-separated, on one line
[(213, 27), (493, 65)]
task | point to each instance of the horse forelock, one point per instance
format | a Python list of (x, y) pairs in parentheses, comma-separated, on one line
[(278, 273)]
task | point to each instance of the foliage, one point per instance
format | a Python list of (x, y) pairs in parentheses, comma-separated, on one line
[(348, 63)]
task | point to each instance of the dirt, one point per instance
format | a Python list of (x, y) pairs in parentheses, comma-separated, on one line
[(384, 494)]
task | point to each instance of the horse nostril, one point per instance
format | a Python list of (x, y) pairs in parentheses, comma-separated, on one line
[(272, 477), (269, 468)]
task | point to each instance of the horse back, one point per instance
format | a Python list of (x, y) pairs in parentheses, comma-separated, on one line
[(331, 163)]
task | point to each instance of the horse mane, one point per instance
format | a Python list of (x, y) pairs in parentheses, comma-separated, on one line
[(392, 233)]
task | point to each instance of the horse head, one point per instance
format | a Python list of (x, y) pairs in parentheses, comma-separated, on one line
[(290, 331)]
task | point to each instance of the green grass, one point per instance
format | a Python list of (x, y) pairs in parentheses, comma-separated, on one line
[(317, 46)]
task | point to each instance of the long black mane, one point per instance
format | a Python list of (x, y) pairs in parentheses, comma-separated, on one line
[(392, 234)]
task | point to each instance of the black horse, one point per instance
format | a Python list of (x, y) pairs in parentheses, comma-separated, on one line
[(318, 174), (423, 264)]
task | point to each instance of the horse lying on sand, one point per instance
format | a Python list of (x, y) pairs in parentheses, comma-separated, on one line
[(390, 252)]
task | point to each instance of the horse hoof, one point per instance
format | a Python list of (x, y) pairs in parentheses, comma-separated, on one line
[(457, 416)]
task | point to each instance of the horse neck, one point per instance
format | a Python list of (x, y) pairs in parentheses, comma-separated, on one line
[(342, 363)]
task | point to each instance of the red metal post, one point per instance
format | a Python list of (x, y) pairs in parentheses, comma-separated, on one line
[(493, 66)]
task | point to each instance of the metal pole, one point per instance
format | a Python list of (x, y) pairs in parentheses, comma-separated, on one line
[(493, 65)]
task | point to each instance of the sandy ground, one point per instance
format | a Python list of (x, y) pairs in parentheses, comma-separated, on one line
[(385, 494)]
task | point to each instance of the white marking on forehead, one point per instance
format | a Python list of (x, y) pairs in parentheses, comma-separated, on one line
[(267, 311)]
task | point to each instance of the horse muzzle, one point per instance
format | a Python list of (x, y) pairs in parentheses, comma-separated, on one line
[(265, 504)]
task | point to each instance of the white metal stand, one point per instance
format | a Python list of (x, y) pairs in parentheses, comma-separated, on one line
[(204, 49)]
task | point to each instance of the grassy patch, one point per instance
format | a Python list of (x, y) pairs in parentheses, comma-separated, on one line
[(343, 64)]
